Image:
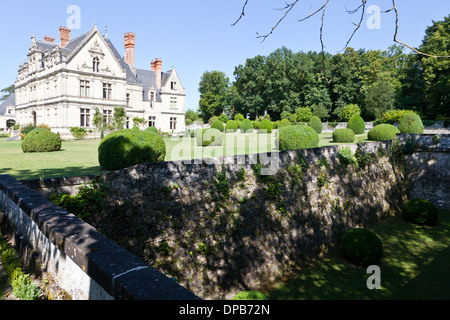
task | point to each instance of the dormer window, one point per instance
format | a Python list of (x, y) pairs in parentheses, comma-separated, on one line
[(173, 85), (96, 65)]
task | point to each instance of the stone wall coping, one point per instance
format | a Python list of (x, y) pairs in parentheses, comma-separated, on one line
[(120, 273)]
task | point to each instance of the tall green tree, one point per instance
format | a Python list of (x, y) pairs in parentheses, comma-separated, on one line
[(119, 118), (436, 71), (7, 92), (213, 88)]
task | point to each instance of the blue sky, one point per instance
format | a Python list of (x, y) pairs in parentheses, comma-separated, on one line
[(197, 36)]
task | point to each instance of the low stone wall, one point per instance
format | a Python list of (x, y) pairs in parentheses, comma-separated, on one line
[(83, 262)]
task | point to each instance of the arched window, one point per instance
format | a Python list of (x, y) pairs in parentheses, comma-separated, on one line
[(96, 65)]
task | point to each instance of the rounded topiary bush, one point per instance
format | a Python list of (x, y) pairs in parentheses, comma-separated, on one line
[(41, 140), (420, 211), (361, 247), (382, 132), (411, 123), (209, 137), (217, 124), (250, 295), (297, 137), (246, 125), (357, 124), (343, 135), (316, 124), (265, 126), (231, 126), (283, 123), (128, 147), (152, 129)]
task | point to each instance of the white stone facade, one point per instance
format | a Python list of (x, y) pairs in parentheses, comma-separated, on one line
[(63, 85)]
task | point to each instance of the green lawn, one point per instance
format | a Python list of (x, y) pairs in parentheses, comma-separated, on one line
[(415, 265), (80, 157)]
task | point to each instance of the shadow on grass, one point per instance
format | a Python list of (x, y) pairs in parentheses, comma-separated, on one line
[(414, 265)]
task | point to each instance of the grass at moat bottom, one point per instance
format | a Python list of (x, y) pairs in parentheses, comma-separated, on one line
[(415, 266), (79, 158)]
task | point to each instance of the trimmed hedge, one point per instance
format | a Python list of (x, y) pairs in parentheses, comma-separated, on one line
[(383, 132), (231, 126), (209, 137), (152, 129), (217, 124), (283, 123), (356, 123), (411, 123), (421, 212), (41, 140), (297, 137), (362, 247), (316, 124), (343, 135), (265, 126), (246, 125), (128, 147)]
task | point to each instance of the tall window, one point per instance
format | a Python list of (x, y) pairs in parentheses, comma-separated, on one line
[(85, 87), (173, 85), (173, 102), (107, 117), (173, 123), (128, 99), (85, 117), (152, 96), (107, 90), (152, 121), (96, 65)]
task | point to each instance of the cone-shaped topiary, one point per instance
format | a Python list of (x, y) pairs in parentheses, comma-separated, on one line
[(419, 211), (246, 125), (209, 137), (231, 126), (382, 132), (316, 124), (41, 140), (297, 137), (343, 135), (356, 123), (128, 147), (217, 124), (411, 123), (362, 247)]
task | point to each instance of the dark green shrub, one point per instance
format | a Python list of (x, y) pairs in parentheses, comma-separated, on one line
[(411, 123), (250, 295), (316, 124), (231, 126), (152, 129), (343, 135), (209, 137), (383, 132), (246, 125), (356, 123), (419, 211), (362, 247), (217, 124), (298, 137), (128, 147), (265, 126), (41, 140)]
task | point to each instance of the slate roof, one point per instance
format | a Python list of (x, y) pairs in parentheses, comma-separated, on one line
[(10, 101)]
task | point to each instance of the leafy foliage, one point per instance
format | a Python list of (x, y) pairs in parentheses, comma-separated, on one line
[(362, 247), (356, 123), (127, 147), (231, 126), (316, 124), (420, 211), (218, 125), (246, 125)]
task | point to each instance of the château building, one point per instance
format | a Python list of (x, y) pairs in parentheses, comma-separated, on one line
[(64, 84)]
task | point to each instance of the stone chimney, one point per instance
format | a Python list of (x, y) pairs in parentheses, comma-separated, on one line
[(130, 40), (49, 39), (65, 36), (157, 67)]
